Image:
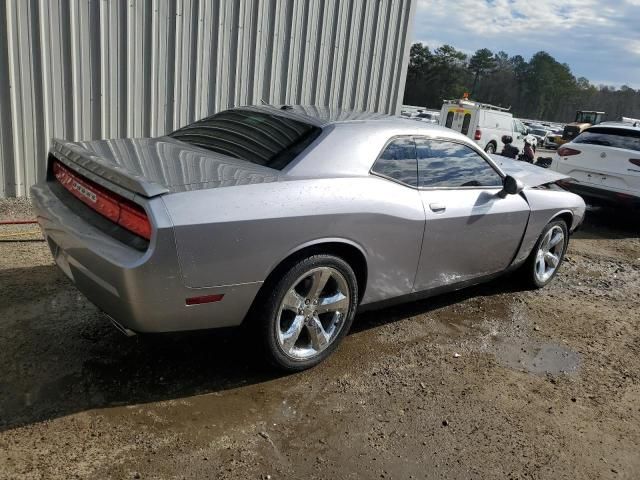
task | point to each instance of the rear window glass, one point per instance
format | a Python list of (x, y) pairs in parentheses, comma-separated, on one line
[(465, 124), (257, 137), (611, 137), (449, 121)]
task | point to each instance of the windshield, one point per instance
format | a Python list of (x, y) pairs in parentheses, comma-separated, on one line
[(540, 133), (587, 117), (257, 137)]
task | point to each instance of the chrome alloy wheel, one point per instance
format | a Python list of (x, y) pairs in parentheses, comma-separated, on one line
[(312, 313), (549, 254)]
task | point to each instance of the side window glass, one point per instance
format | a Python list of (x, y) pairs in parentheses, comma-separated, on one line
[(443, 164), (449, 121), (465, 123), (521, 128), (398, 161)]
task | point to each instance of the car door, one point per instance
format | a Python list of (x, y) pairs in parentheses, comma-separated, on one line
[(471, 229), (519, 134), (396, 241)]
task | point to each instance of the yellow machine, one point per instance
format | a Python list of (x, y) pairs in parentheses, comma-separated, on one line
[(584, 120)]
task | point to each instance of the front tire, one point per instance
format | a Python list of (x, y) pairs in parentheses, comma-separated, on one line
[(308, 312), (547, 255)]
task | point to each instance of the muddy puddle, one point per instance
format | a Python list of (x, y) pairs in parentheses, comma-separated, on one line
[(538, 358), (515, 343), (503, 328)]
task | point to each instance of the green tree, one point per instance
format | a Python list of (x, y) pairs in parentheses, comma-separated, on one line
[(482, 62), (540, 88)]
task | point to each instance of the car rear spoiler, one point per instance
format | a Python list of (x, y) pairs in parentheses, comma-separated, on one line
[(66, 152)]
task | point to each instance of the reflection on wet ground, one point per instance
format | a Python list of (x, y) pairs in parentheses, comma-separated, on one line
[(539, 358)]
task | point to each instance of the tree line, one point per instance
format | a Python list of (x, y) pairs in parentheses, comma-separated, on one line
[(541, 88)]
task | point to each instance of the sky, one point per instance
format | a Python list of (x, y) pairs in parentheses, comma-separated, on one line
[(600, 40)]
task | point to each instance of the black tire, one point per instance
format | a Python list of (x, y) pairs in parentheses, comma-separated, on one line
[(268, 312), (490, 148), (528, 270)]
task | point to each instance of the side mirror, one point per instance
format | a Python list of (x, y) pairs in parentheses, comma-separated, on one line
[(512, 186)]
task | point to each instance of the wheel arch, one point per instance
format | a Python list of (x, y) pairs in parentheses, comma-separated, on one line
[(533, 231), (349, 251), (491, 142), (566, 215)]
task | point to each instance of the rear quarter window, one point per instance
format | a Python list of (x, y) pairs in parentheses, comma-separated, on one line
[(611, 137), (398, 162)]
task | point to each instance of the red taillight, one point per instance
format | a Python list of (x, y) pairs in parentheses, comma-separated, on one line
[(568, 152), (135, 220), (204, 299), (110, 205), (635, 161), (478, 135)]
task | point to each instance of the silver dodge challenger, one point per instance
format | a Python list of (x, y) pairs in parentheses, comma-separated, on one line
[(289, 219)]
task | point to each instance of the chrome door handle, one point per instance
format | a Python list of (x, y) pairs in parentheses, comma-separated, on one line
[(437, 207)]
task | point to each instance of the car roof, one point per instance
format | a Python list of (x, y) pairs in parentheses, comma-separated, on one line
[(325, 116), (319, 116), (350, 144), (616, 126)]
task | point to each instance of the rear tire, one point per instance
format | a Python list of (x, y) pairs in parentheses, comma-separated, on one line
[(547, 255), (307, 313), (490, 148)]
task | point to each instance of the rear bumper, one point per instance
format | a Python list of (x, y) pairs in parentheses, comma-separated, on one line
[(603, 195), (142, 291)]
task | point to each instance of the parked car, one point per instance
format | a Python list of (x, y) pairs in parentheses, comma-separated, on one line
[(539, 134), (429, 117), (553, 139), (603, 163), (483, 123), (292, 219)]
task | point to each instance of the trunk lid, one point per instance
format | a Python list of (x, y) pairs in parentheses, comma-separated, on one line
[(154, 166)]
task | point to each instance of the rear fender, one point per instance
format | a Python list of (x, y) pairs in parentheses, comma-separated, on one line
[(319, 242), (543, 211)]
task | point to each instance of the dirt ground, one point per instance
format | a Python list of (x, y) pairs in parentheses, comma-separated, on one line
[(491, 382)]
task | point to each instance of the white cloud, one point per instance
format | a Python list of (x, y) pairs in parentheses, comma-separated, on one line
[(597, 40)]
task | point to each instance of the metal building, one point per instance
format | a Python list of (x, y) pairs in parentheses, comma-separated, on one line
[(88, 69)]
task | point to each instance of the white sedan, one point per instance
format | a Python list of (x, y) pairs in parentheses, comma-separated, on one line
[(604, 163)]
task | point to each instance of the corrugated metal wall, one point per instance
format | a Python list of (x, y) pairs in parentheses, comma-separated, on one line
[(87, 69)]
